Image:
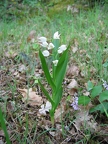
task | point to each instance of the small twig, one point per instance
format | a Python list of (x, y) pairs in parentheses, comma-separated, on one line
[(78, 130)]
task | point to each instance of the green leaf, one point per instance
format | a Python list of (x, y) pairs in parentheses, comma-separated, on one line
[(57, 97), (96, 91), (3, 125), (46, 70), (100, 107), (61, 68), (103, 96), (84, 100), (89, 85), (46, 93)]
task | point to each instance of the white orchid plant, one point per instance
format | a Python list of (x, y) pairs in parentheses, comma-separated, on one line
[(59, 56)]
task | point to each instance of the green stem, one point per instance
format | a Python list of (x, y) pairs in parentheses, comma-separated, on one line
[(52, 120), (52, 111)]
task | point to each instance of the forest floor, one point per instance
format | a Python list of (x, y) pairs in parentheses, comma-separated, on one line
[(21, 97)]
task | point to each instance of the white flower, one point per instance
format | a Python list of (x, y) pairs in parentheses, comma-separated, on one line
[(60, 51), (48, 106), (62, 47), (44, 108), (42, 39), (55, 62), (44, 44), (56, 35), (45, 53), (50, 46)]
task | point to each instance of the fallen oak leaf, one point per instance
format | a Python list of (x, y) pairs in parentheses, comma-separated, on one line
[(31, 97)]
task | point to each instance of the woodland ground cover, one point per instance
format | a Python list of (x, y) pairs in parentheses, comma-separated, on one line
[(82, 115)]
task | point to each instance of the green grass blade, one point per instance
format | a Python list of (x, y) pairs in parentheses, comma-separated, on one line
[(46, 70), (2, 121)]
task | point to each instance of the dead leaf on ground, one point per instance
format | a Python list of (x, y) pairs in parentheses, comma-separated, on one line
[(31, 97), (2, 133), (72, 91), (60, 111), (72, 71), (72, 84), (31, 36), (22, 68), (74, 49), (86, 93), (83, 118)]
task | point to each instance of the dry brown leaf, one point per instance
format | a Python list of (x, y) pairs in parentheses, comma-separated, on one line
[(60, 112), (86, 93), (72, 84), (74, 49), (72, 71), (2, 133), (31, 97), (83, 118), (31, 37), (72, 91), (22, 68)]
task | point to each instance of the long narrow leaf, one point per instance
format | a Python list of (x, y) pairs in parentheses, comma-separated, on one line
[(46, 70), (61, 68), (4, 127), (58, 97), (46, 92)]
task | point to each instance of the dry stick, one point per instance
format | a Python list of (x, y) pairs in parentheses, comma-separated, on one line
[(80, 131)]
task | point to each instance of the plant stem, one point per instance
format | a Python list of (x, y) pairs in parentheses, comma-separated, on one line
[(52, 120)]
